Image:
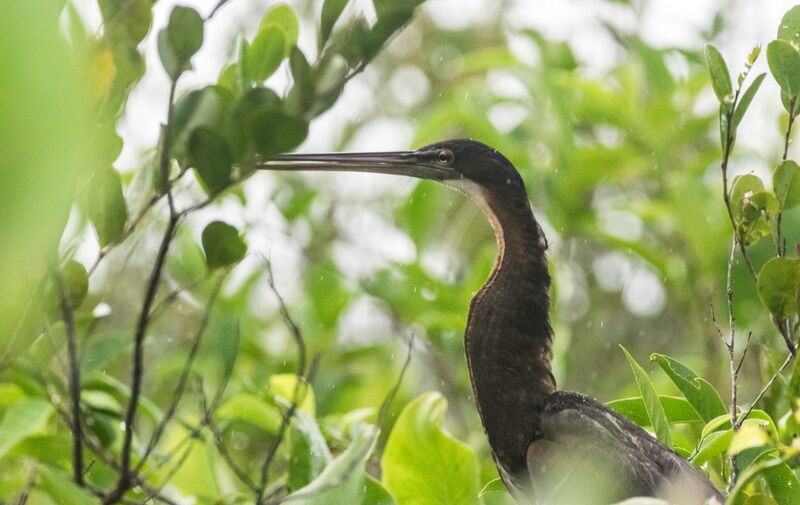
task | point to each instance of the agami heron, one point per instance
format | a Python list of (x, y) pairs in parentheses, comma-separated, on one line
[(549, 446)]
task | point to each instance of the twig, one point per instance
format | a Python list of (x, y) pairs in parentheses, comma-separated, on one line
[(215, 9), (731, 345), (184, 377), (726, 154), (390, 396), (137, 374), (781, 249), (766, 387), (73, 380), (23, 495)]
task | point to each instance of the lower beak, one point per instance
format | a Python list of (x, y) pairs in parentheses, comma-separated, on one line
[(409, 163)]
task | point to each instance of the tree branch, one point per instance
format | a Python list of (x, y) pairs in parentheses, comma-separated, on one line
[(73, 380)]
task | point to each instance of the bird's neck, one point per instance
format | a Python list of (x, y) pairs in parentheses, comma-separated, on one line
[(508, 336)]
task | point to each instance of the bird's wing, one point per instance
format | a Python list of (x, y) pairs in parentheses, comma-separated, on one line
[(587, 453)]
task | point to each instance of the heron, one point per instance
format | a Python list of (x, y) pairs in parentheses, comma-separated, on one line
[(549, 446)]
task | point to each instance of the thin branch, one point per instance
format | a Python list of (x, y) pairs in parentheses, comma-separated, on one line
[(137, 374), (216, 8), (25, 493), (744, 353), (383, 412), (766, 387), (779, 247), (731, 345), (184, 377), (73, 380)]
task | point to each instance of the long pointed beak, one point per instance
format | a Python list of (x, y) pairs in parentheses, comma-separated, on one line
[(419, 164)]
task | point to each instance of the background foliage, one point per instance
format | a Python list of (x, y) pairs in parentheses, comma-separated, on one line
[(234, 336)]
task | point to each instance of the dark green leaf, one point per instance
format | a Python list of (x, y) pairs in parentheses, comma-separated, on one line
[(677, 410), (342, 481), (655, 412), (211, 159), (423, 463), (302, 93), (786, 183), (720, 77), (75, 281), (206, 107), (266, 52), (784, 63), (277, 132), (786, 100), (309, 454), (789, 29), (331, 10), (700, 394), (106, 206), (185, 32), (778, 284), (745, 99), (222, 245), (741, 187)]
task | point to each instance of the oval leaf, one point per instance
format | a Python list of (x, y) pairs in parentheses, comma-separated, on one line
[(331, 10), (678, 410), (778, 285), (784, 63), (745, 100), (211, 159), (786, 183), (266, 53), (284, 17), (720, 77), (277, 132), (422, 463), (789, 29), (222, 245), (106, 206)]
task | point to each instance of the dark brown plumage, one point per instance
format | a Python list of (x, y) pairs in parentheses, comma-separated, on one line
[(550, 446)]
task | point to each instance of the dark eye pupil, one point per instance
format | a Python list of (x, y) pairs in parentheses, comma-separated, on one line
[(443, 157)]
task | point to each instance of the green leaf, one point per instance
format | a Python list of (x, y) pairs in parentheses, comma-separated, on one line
[(185, 32), (266, 53), (106, 206), (422, 463), (284, 385), (720, 77), (22, 420), (786, 183), (745, 100), (309, 454), (784, 63), (343, 480), (677, 410), (712, 445), (786, 100), (61, 487), (789, 29), (759, 499), (752, 433), (209, 155), (781, 480), (326, 292), (179, 40), (277, 132), (778, 284), (375, 493), (655, 412), (700, 394), (742, 186), (75, 280), (252, 410), (207, 107), (284, 17), (222, 245), (301, 96), (331, 10)]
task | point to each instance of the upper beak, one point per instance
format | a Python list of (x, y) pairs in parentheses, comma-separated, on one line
[(419, 164)]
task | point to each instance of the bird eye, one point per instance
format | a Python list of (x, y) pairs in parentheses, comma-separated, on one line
[(445, 157)]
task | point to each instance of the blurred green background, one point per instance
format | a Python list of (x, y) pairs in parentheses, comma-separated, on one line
[(604, 107)]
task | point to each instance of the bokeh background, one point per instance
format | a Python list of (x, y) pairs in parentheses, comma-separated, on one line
[(605, 108)]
